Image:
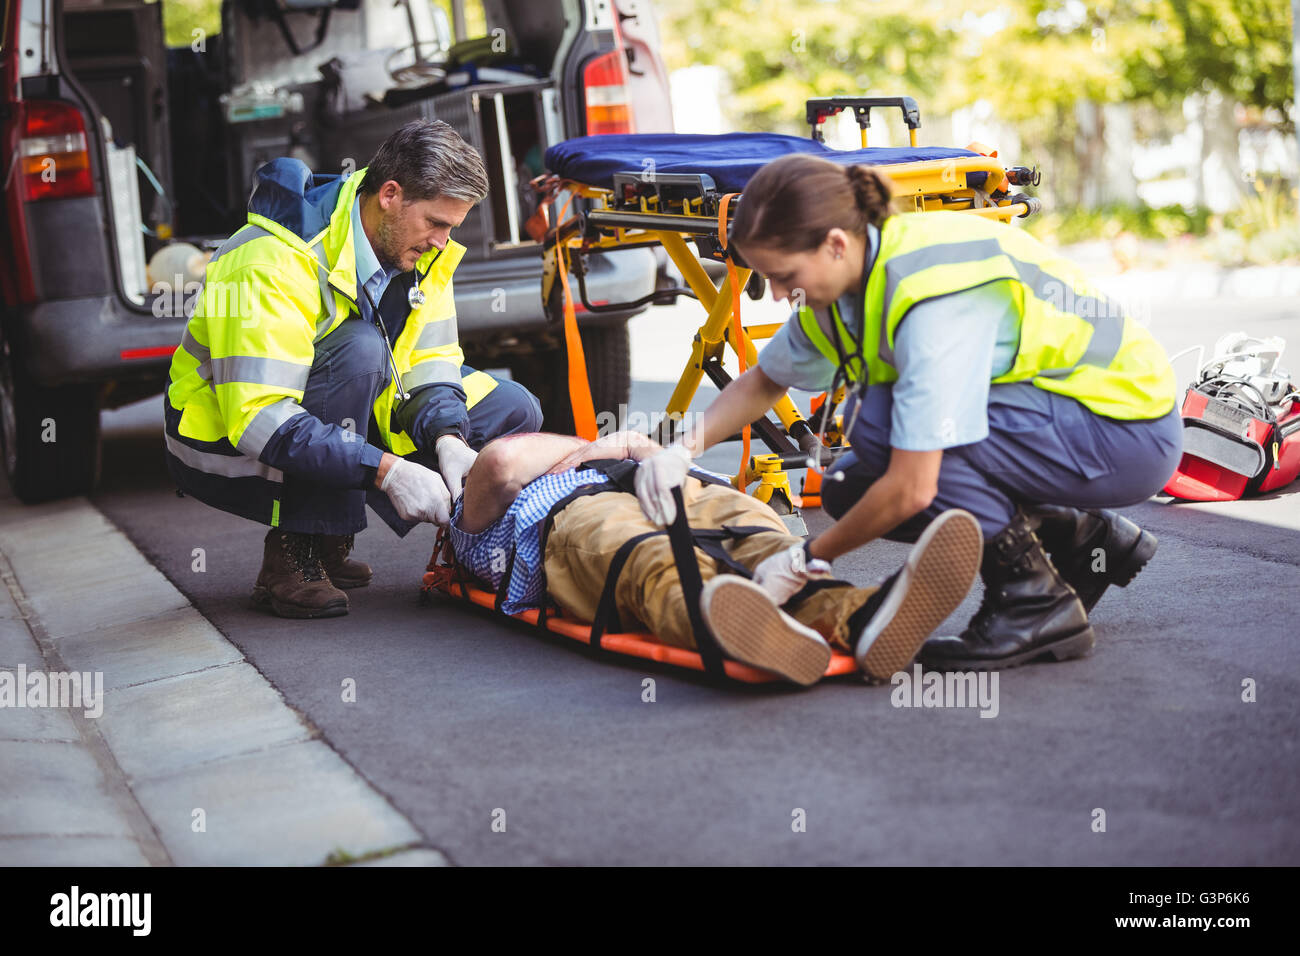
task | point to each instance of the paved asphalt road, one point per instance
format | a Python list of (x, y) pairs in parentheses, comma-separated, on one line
[(458, 715)]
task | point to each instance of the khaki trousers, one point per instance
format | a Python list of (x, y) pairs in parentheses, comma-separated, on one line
[(589, 530)]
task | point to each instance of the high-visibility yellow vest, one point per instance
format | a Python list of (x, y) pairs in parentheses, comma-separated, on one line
[(1072, 339), (267, 300)]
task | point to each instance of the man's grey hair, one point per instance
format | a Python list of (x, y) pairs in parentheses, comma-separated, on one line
[(428, 159)]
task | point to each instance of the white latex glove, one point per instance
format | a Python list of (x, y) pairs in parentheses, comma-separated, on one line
[(656, 477), (417, 493), (780, 575), (454, 461)]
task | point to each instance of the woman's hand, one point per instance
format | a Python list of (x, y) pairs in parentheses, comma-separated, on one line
[(784, 574), (655, 480), (907, 488)]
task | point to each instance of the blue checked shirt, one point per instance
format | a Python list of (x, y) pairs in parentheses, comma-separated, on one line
[(520, 529)]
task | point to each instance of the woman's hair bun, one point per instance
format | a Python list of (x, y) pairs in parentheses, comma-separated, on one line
[(871, 193)]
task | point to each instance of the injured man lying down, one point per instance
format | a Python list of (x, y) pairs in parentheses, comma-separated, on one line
[(497, 528)]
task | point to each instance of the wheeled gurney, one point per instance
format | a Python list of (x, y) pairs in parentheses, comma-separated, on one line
[(671, 190)]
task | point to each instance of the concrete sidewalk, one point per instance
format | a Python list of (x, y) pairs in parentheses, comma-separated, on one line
[(196, 759)]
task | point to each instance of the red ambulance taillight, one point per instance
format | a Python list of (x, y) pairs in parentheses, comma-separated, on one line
[(609, 105), (53, 153)]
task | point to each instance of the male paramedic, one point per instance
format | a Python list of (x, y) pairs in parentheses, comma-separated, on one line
[(520, 481), (321, 369)]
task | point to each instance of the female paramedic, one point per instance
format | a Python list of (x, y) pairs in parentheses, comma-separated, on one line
[(983, 373)]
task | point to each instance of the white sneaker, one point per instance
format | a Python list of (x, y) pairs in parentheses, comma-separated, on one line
[(936, 576), (751, 628)]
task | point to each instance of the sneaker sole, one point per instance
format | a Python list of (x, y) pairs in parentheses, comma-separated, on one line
[(263, 598), (935, 578), (751, 629)]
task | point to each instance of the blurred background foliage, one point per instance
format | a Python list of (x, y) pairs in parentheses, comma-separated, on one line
[(1034, 59), (1046, 68), (182, 17)]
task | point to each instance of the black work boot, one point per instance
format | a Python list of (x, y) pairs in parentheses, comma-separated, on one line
[(1027, 612), (292, 582), (1092, 549), (343, 571)]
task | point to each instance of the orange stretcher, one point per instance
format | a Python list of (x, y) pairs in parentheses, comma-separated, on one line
[(455, 582)]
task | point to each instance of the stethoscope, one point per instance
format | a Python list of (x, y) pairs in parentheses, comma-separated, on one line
[(841, 376), (415, 297)]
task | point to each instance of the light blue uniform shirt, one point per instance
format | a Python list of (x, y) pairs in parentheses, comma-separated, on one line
[(946, 352), (373, 276)]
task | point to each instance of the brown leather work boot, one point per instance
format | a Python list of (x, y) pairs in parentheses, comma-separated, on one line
[(293, 582), (343, 572)]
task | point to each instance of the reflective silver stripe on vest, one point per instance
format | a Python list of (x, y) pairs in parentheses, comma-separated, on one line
[(1106, 318), (326, 291), (245, 234), (436, 334), (265, 423), (429, 372), (192, 345), (256, 370), (226, 466)]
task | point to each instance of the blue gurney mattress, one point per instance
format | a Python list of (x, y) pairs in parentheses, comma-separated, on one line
[(730, 158)]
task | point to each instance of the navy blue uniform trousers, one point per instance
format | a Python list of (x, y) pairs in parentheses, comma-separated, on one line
[(1042, 448), (349, 370)]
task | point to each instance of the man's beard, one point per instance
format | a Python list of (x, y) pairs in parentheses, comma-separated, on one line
[(388, 253)]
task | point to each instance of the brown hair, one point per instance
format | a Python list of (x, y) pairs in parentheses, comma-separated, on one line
[(792, 202)]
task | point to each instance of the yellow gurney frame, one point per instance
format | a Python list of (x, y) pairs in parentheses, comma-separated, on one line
[(669, 210)]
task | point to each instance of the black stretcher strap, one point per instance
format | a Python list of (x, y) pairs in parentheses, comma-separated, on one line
[(607, 618), (688, 572), (710, 541), (503, 589), (620, 476), (545, 603)]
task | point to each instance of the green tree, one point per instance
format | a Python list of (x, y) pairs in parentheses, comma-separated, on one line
[(1035, 61), (1239, 47)]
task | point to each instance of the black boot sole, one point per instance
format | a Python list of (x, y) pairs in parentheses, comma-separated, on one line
[(1078, 644), (1137, 558), (263, 598)]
